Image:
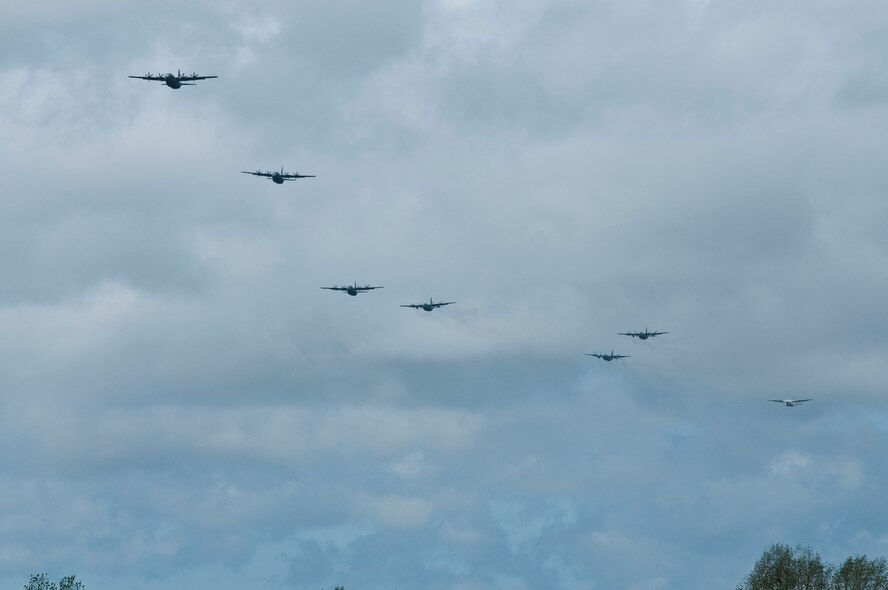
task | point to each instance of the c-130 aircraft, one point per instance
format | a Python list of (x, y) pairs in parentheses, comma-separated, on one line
[(643, 335), (351, 289), (429, 306), (279, 177), (607, 357), (174, 81), (790, 403)]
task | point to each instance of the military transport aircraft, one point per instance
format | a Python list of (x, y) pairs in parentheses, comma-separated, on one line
[(279, 177), (351, 289), (790, 402), (608, 357), (643, 335), (175, 81), (429, 306)]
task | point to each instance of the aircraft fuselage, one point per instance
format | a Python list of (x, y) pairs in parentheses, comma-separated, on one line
[(428, 307), (172, 81), (278, 179), (351, 291)]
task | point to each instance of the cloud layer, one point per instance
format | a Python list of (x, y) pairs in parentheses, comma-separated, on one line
[(183, 406)]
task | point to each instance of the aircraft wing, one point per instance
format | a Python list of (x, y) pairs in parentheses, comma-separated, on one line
[(621, 356), (779, 401), (296, 175), (592, 354), (193, 77), (657, 333), (149, 77), (443, 303), (413, 305), (258, 173), (628, 334), (798, 401), (334, 288), (368, 288)]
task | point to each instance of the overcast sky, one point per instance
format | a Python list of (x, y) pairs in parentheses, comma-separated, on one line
[(182, 407)]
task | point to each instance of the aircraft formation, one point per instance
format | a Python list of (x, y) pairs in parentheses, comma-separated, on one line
[(355, 289), (177, 80), (613, 356)]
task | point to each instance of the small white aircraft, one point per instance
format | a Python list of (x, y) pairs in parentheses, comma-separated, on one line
[(790, 402)]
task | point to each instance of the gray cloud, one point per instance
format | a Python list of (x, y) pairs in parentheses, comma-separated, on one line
[(184, 407)]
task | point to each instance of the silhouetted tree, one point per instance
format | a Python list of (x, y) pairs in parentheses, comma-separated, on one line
[(860, 573), (41, 582), (783, 568)]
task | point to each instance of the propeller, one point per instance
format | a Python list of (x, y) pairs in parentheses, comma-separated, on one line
[(193, 75)]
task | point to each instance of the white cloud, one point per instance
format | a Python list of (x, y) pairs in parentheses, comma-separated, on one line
[(397, 511), (256, 28), (411, 465), (790, 462)]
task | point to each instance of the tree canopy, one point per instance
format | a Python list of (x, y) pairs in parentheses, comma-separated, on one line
[(860, 573), (782, 567), (42, 582)]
